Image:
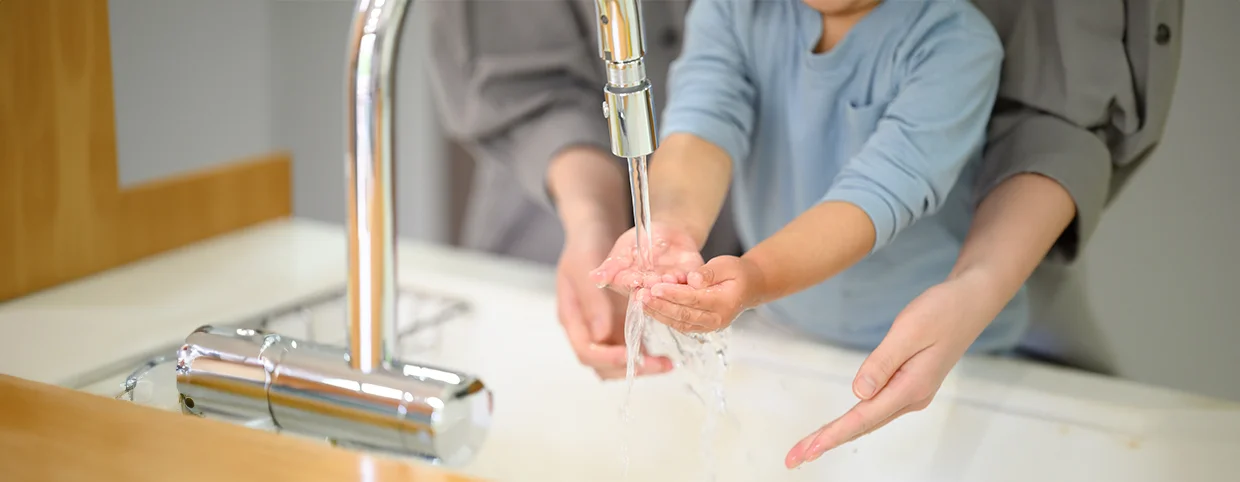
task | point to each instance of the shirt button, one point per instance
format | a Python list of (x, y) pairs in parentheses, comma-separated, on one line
[(1163, 34), (669, 38)]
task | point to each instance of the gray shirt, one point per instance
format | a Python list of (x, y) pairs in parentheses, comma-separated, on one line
[(1084, 98)]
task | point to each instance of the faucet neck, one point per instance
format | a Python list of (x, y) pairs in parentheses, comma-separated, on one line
[(374, 39)]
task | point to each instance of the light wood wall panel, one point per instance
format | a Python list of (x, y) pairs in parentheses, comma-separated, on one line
[(63, 214)]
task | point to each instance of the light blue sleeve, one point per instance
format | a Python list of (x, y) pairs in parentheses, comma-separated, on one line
[(711, 95), (927, 134)]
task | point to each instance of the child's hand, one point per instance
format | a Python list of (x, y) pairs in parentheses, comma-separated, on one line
[(903, 374), (712, 297), (675, 255)]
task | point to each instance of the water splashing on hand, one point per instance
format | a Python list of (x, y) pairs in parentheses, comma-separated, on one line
[(701, 356)]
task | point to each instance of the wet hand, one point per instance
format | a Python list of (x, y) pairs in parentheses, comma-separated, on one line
[(592, 317), (675, 254), (903, 374), (711, 297)]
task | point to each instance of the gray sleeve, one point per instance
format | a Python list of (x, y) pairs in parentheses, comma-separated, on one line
[(1068, 102), (1155, 28), (1027, 141), (517, 82)]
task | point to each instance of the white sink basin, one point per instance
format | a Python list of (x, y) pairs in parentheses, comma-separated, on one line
[(994, 420)]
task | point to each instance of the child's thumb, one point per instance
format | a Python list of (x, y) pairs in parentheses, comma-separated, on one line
[(703, 276), (715, 271)]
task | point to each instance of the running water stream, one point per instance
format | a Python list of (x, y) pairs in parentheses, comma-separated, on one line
[(635, 319), (699, 357)]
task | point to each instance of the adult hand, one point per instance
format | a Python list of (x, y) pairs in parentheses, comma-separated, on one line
[(903, 374), (593, 317), (674, 254), (713, 296), (590, 191)]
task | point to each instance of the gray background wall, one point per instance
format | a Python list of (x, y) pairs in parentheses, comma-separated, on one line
[(200, 82), (205, 81), (1163, 267), (309, 51), (192, 81)]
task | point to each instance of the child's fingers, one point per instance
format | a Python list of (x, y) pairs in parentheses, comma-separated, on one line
[(681, 318), (680, 294), (672, 274), (716, 303)]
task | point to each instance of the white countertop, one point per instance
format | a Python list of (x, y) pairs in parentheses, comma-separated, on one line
[(1018, 409), (53, 335)]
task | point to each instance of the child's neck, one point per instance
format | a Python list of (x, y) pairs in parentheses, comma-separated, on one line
[(836, 25)]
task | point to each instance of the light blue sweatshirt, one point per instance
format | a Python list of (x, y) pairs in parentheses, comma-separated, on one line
[(892, 120)]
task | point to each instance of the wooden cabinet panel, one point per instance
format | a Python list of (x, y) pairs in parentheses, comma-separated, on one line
[(63, 214), (50, 433)]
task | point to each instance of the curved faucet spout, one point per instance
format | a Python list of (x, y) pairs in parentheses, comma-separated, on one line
[(373, 45)]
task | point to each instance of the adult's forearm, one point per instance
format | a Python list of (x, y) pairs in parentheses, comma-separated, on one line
[(818, 244), (1013, 229), (689, 179), (589, 188)]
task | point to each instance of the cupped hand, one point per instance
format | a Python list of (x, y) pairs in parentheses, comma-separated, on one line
[(674, 254), (903, 374), (592, 317), (709, 300)]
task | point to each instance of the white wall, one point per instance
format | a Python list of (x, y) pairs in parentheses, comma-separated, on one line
[(1163, 267)]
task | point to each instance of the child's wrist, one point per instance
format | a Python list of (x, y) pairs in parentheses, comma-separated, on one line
[(759, 287)]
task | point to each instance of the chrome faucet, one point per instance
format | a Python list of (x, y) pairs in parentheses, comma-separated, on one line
[(626, 100), (627, 104), (372, 233), (364, 397)]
